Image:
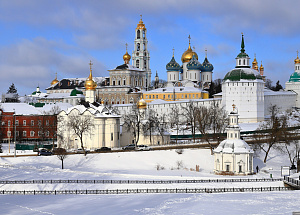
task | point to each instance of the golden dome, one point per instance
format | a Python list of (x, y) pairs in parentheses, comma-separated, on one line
[(261, 67), (126, 56), (89, 83), (297, 60), (55, 80), (141, 25), (188, 54), (142, 104)]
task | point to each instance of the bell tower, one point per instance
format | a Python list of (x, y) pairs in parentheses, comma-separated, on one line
[(140, 54)]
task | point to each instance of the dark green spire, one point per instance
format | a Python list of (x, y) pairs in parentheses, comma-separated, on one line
[(242, 54), (243, 45)]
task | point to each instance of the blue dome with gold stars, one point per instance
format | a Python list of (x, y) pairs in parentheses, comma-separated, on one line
[(194, 64), (207, 66), (173, 65)]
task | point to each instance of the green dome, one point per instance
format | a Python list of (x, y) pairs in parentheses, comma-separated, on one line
[(295, 77), (242, 73), (75, 92), (35, 92)]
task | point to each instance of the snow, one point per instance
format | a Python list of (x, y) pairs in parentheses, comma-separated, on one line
[(233, 146), (140, 166)]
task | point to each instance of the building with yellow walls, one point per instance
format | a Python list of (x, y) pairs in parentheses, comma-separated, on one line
[(175, 94)]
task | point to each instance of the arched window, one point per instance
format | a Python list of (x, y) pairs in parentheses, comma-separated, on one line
[(145, 64), (240, 62), (144, 35), (244, 62), (138, 34), (138, 47), (137, 63)]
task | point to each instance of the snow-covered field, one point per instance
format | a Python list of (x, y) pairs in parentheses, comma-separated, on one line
[(140, 166)]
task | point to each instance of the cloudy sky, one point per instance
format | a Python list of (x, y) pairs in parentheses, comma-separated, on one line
[(40, 38)]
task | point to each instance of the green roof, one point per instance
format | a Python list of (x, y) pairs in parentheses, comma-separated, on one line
[(242, 73), (295, 77), (75, 92)]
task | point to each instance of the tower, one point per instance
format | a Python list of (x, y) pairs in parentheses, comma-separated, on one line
[(156, 82), (294, 82), (173, 70), (244, 87), (140, 54), (90, 87), (254, 63), (206, 72)]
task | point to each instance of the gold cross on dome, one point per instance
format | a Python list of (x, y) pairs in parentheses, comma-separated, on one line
[(205, 52), (141, 16), (173, 51), (90, 65), (189, 38), (297, 53), (126, 46)]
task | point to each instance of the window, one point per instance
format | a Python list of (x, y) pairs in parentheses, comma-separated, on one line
[(9, 134), (138, 34), (114, 83), (17, 122), (32, 122), (144, 35), (39, 122), (137, 63), (118, 136), (24, 133), (24, 122), (124, 82), (157, 96), (119, 82), (47, 133), (8, 123), (164, 96), (168, 96), (112, 136), (39, 133), (31, 133), (138, 47), (17, 133), (146, 96), (47, 122), (240, 168), (227, 168)]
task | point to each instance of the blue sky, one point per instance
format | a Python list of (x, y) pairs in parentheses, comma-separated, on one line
[(39, 38)]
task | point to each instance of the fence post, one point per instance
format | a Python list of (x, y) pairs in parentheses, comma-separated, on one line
[(54, 192), (34, 192)]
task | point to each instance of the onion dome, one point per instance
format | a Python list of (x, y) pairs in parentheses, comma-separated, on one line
[(75, 92), (261, 69), (207, 66), (55, 80), (238, 74), (297, 60), (173, 65), (188, 55), (194, 64), (255, 64), (141, 25), (89, 83), (142, 104), (126, 58), (295, 77)]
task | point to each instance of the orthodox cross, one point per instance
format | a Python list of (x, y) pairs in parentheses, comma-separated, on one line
[(90, 65), (126, 46), (173, 51), (205, 52), (297, 53), (189, 38)]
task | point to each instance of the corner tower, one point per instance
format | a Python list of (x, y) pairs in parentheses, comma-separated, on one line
[(244, 87), (140, 54)]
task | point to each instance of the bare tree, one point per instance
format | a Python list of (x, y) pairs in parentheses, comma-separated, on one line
[(174, 119), (51, 127), (189, 112), (61, 155), (271, 131), (81, 125), (150, 123), (133, 122), (218, 120), (161, 126)]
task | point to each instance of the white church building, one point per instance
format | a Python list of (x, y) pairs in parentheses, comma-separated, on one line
[(233, 155)]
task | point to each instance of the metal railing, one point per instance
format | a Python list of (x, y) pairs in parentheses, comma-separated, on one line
[(138, 181), (135, 191)]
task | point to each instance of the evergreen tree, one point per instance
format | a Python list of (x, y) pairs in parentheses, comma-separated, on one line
[(12, 94), (12, 89)]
